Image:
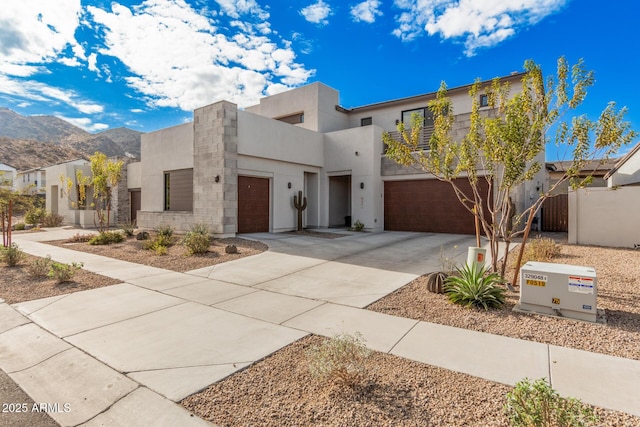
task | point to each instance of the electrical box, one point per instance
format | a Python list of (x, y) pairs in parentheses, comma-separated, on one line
[(559, 289)]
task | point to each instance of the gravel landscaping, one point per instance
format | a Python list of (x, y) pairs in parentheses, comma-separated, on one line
[(280, 391), (176, 258), (618, 272), (17, 286)]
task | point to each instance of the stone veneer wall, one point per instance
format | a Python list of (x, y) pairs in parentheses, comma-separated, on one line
[(120, 202), (461, 125), (180, 221), (215, 153)]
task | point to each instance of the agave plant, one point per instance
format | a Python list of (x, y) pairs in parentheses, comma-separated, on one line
[(473, 287)]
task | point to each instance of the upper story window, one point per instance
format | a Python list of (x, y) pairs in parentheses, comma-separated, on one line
[(425, 113), (293, 119), (366, 121), (484, 100)]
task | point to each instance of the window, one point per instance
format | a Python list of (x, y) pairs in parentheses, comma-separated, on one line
[(293, 119), (366, 121), (484, 100), (178, 190)]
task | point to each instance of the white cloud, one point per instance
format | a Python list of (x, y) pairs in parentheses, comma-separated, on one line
[(85, 123), (36, 32), (367, 11), (92, 63), (477, 24), (177, 57), (37, 91), (136, 110), (317, 13)]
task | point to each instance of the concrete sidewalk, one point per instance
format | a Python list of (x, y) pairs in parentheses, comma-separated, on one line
[(123, 354)]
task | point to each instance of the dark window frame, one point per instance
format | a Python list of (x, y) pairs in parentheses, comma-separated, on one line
[(483, 100), (366, 121), (182, 182)]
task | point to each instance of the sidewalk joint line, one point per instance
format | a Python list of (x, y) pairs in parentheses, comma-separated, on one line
[(403, 336)]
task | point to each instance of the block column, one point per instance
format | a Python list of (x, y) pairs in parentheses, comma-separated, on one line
[(215, 155)]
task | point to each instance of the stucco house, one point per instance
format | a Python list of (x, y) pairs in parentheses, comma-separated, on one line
[(31, 181), (608, 216), (237, 171), (63, 199), (7, 177)]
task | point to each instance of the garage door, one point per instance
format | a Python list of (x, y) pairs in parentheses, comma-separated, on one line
[(427, 206), (253, 204)]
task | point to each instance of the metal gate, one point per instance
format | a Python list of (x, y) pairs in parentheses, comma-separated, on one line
[(555, 213)]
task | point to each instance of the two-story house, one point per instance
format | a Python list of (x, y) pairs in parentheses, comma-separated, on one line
[(237, 171), (31, 181), (7, 177)]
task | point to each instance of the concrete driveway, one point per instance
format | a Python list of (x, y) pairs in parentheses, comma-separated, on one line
[(165, 335)]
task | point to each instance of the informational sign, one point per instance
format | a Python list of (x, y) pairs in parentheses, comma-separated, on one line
[(581, 285), (535, 279)]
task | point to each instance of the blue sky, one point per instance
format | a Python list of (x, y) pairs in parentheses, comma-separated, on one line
[(147, 64)]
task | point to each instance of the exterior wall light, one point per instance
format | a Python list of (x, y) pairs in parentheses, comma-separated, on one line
[(288, 185), (217, 178), (357, 154), (362, 185)]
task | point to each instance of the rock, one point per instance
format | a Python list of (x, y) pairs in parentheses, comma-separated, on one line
[(231, 249), (143, 235)]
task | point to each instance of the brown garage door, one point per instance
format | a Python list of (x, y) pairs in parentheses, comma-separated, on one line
[(427, 206), (253, 204)]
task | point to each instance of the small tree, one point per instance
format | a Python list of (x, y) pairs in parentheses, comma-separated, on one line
[(105, 174), (502, 147), (10, 202)]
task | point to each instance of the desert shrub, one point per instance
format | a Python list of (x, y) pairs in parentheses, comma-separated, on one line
[(128, 228), (473, 287), (39, 268), (197, 240), (536, 404), (106, 238), (165, 230), (340, 359), (80, 238), (357, 226), (158, 248), (52, 220), (20, 226), (540, 249), (63, 272), (35, 215), (11, 255)]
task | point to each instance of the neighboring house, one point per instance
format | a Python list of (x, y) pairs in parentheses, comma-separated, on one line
[(609, 216), (237, 171), (596, 168), (32, 181), (62, 195), (7, 176)]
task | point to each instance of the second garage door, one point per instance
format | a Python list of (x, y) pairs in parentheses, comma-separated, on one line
[(253, 204), (427, 206)]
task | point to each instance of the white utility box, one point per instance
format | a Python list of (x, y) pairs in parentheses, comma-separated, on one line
[(559, 289)]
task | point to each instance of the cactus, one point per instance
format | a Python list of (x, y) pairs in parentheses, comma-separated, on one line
[(300, 204)]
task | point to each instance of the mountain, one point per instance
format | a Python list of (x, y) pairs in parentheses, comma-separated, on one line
[(27, 154), (53, 130)]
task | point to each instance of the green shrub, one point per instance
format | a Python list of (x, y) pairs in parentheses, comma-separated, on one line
[(165, 231), (20, 226), (472, 287), (11, 255), (35, 215), (52, 220), (357, 226), (80, 238), (536, 404), (128, 228), (39, 268), (197, 240), (106, 238), (340, 359), (159, 248), (63, 272), (540, 249)]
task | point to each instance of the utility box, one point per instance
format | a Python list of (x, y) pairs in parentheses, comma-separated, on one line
[(559, 289)]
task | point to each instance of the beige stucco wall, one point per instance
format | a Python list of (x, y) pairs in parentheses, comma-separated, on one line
[(604, 217), (164, 150), (134, 175), (317, 101), (341, 159), (628, 173)]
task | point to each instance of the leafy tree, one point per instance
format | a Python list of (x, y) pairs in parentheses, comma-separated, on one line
[(504, 146), (105, 174)]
